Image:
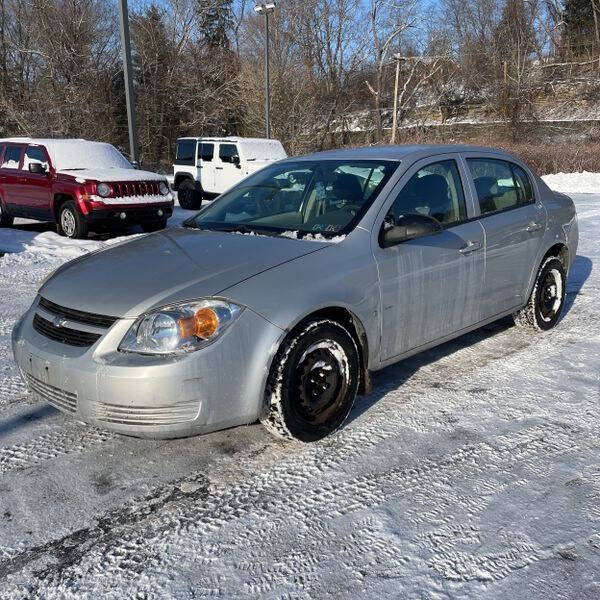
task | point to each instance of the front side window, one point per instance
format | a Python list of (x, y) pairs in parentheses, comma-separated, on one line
[(227, 152), (321, 197), (499, 187), (184, 154), (12, 157), (206, 152), (435, 191), (35, 154)]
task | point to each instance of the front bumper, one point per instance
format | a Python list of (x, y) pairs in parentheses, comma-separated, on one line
[(133, 215), (219, 386)]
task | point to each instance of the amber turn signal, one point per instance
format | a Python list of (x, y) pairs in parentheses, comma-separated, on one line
[(204, 324)]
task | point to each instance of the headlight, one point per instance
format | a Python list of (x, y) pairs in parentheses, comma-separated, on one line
[(103, 189), (180, 328), (164, 188)]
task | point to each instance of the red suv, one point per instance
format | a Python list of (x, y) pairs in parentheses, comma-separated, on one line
[(79, 185)]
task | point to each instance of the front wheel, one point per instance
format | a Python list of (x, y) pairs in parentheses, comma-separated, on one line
[(545, 305), (188, 197), (71, 222), (312, 383)]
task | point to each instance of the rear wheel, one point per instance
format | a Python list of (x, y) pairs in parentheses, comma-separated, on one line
[(544, 307), (189, 198), (154, 226), (313, 382), (5, 219), (71, 222)]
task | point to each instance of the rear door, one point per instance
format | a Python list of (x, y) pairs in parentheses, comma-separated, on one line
[(430, 286), (514, 221), (10, 175), (34, 190), (227, 170), (206, 165)]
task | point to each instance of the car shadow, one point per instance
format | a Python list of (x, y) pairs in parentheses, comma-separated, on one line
[(392, 377), (581, 269), (26, 418)]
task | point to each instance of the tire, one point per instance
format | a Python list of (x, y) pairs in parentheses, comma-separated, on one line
[(71, 222), (545, 305), (154, 226), (189, 198), (5, 219), (313, 382)]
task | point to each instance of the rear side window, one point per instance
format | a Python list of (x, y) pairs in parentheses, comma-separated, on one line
[(523, 184), (227, 152), (12, 157), (436, 191), (499, 186), (206, 152), (185, 152)]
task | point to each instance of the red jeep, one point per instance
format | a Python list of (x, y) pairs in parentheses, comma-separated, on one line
[(79, 185)]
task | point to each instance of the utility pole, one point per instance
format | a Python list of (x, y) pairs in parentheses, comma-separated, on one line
[(397, 58), (128, 76), (266, 8)]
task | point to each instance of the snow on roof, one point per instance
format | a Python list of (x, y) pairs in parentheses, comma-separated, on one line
[(77, 153)]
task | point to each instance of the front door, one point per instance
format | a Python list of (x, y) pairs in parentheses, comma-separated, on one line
[(34, 190), (227, 169), (514, 225), (430, 287)]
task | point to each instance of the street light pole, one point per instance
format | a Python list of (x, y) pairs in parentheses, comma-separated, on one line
[(267, 79), (128, 76), (266, 8)]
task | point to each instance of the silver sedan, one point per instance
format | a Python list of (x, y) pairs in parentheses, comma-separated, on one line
[(278, 300)]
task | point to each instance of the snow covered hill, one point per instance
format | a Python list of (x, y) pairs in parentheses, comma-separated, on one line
[(472, 471)]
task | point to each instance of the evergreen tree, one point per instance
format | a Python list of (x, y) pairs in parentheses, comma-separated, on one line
[(215, 21), (580, 28)]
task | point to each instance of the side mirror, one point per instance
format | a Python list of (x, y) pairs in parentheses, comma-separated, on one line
[(235, 159), (37, 168), (407, 227), (135, 164)]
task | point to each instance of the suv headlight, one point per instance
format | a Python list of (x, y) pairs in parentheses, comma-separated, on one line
[(103, 190), (164, 188), (180, 328)]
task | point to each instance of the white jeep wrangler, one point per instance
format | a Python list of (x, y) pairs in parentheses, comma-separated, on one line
[(206, 167)]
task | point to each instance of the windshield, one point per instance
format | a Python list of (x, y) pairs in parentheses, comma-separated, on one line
[(70, 155), (324, 197)]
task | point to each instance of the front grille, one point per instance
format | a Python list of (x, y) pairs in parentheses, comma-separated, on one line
[(136, 188), (77, 315), (64, 335), (53, 395), (179, 412)]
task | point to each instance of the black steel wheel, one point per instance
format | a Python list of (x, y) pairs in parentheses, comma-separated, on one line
[(313, 382), (5, 219), (547, 299)]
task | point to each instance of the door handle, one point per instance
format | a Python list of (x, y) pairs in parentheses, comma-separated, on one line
[(470, 247), (533, 226), (219, 168)]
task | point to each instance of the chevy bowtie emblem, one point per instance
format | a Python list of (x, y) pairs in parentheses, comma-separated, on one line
[(59, 322)]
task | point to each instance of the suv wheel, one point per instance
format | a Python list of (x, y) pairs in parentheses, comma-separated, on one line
[(71, 222), (312, 383), (187, 195), (5, 219)]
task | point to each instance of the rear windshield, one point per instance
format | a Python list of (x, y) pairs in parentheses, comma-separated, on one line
[(320, 197)]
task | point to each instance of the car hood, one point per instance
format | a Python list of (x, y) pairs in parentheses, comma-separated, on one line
[(107, 175), (171, 266)]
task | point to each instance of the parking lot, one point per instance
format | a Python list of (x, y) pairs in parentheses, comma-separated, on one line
[(472, 471)]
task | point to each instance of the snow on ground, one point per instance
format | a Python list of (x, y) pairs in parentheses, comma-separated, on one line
[(574, 183), (472, 471)]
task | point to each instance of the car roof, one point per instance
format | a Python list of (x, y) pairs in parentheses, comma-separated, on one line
[(46, 141), (399, 152)]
